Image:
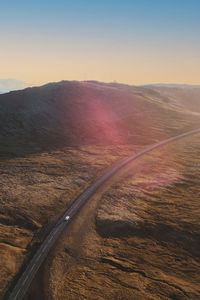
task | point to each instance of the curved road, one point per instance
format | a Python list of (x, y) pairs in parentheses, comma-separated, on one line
[(26, 278)]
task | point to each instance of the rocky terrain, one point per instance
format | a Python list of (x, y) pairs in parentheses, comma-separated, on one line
[(137, 238)]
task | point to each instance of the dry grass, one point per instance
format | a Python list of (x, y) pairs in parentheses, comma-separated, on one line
[(141, 241), (138, 239)]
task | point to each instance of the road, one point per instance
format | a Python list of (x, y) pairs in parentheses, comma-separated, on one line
[(26, 278)]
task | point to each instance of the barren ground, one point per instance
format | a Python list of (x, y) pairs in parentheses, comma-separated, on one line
[(35, 190), (137, 238)]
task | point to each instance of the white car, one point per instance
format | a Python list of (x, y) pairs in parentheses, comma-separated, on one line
[(67, 218)]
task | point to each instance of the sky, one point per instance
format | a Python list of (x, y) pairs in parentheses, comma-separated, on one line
[(130, 41)]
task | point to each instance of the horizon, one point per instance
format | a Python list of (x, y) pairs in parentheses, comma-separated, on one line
[(20, 85), (134, 42), (12, 84)]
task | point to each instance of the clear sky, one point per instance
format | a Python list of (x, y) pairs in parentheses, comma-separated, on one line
[(130, 41)]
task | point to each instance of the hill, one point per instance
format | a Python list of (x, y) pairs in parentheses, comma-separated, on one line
[(7, 85), (139, 235), (77, 113)]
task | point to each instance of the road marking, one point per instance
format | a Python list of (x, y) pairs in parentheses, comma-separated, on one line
[(25, 280), (17, 294), (88, 192), (44, 248), (32, 268), (37, 258)]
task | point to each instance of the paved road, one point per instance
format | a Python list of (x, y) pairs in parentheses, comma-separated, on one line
[(25, 280)]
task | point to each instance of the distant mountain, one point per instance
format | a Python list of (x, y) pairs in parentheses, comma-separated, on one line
[(7, 85), (171, 85)]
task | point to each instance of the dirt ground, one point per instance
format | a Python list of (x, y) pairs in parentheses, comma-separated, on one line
[(137, 238), (36, 190)]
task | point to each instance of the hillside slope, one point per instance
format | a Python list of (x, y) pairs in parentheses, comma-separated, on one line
[(57, 139), (76, 113)]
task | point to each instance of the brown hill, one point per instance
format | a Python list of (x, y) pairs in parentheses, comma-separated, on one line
[(77, 113)]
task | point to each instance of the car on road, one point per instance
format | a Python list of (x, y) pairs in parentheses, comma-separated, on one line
[(67, 218)]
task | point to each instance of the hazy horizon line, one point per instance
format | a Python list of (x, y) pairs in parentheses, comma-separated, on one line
[(27, 85)]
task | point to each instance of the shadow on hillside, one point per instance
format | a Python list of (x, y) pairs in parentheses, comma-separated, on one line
[(12, 148)]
